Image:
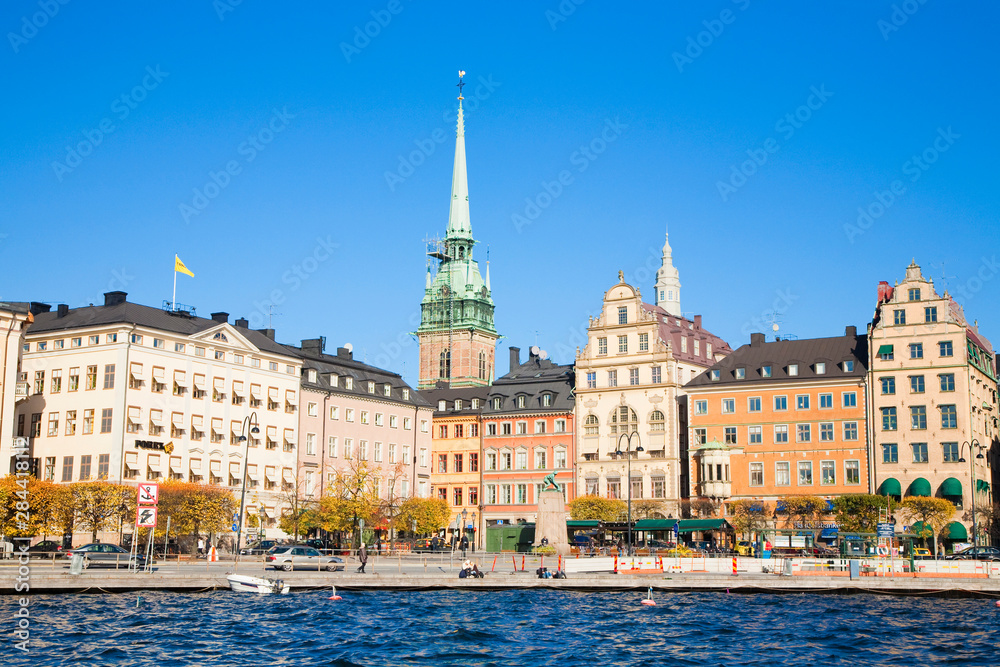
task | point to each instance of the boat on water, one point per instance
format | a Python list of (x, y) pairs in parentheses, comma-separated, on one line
[(242, 583)]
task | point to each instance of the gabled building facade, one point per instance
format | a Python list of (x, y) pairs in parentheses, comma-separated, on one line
[(14, 321)]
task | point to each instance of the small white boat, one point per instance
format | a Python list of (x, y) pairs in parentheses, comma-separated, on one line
[(242, 583)]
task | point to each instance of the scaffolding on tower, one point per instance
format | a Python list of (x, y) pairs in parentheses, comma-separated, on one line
[(438, 255)]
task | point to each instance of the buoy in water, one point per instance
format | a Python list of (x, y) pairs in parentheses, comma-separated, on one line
[(649, 602), (334, 595), (998, 603)]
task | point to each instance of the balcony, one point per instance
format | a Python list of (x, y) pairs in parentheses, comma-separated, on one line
[(715, 489), (21, 391)]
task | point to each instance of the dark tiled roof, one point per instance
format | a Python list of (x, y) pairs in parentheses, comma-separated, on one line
[(343, 365), (20, 307), (779, 354), (465, 394), (145, 316), (532, 379), (673, 327)]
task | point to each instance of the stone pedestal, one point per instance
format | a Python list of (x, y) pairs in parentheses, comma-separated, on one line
[(551, 521)]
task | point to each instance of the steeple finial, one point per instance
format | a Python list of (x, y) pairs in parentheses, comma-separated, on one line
[(461, 83)]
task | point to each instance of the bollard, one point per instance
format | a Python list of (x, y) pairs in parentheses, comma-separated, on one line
[(734, 567), (493, 569), (522, 563), (513, 559), (559, 566), (616, 564)]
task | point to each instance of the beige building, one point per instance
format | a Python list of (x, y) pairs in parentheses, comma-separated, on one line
[(934, 394), (14, 320), (630, 377), (132, 393)]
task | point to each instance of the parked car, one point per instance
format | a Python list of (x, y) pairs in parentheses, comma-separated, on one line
[(291, 556), (108, 555), (745, 548), (977, 553), (920, 553), (257, 548), (422, 545), (45, 549)]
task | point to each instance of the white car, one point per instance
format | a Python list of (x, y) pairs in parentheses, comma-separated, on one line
[(290, 557)]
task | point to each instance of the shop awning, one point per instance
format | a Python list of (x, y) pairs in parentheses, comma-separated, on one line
[(691, 525), (921, 529), (890, 487), (955, 531), (655, 524), (884, 349), (584, 523), (197, 421), (982, 486), (951, 488), (195, 465), (919, 487), (290, 397), (132, 460), (289, 436), (217, 425)]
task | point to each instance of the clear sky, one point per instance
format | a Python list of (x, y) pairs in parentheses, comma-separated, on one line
[(288, 157)]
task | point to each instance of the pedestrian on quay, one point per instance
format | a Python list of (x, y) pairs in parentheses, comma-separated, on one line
[(363, 557), (434, 543), (201, 546), (464, 545)]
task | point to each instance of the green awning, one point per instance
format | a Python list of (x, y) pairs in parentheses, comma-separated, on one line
[(982, 486), (583, 523), (691, 525), (655, 524), (955, 531), (890, 487), (951, 488), (919, 487), (921, 529), (885, 349)]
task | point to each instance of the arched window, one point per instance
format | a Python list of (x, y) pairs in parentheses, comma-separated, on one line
[(445, 367), (656, 422), (624, 420), (482, 365), (591, 425)]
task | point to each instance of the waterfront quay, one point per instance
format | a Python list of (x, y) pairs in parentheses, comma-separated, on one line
[(513, 572)]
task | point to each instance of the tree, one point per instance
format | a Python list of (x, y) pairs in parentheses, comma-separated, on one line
[(804, 510), (749, 516), (583, 508), (430, 514), (27, 506), (699, 508), (352, 497), (933, 512), (860, 512), (101, 505), (647, 508), (195, 508), (295, 508), (988, 518)]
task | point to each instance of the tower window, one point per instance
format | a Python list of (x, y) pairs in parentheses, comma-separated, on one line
[(444, 370), (482, 365)]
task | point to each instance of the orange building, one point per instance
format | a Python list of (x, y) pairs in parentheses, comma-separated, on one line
[(780, 419)]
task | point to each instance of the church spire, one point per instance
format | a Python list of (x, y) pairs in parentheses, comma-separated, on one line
[(667, 291), (459, 225)]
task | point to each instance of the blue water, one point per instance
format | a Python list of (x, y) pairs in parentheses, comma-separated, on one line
[(503, 628)]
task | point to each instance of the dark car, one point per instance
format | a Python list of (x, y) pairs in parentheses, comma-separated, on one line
[(45, 549), (301, 557), (422, 545), (257, 548), (107, 555), (977, 553)]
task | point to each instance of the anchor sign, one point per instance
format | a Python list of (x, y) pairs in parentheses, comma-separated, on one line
[(148, 494), (145, 517)]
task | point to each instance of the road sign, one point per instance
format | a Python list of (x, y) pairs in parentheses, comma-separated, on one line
[(148, 494), (236, 521), (145, 517), (677, 531), (886, 529)]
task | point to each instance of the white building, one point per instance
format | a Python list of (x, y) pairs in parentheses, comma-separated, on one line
[(131, 393), (14, 319)]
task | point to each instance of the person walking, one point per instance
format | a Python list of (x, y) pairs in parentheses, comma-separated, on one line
[(201, 546), (363, 557), (464, 545)]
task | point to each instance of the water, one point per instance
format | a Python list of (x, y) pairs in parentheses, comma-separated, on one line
[(503, 628)]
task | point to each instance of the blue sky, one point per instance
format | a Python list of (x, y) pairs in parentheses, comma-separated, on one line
[(255, 139)]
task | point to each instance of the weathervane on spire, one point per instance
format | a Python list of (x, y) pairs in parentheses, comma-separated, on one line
[(461, 73)]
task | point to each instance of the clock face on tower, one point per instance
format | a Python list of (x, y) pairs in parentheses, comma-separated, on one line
[(445, 291)]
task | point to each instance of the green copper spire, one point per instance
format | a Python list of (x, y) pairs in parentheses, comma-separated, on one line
[(459, 225)]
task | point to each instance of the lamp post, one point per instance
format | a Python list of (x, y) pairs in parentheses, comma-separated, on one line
[(474, 532), (250, 421), (628, 452), (975, 447)]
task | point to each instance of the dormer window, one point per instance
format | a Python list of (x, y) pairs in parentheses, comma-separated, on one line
[(442, 405), (714, 375), (333, 380), (793, 369), (349, 383), (547, 400), (387, 389), (520, 401), (406, 394), (820, 368), (311, 374), (914, 294), (849, 366), (475, 404), (371, 387), (458, 404), (765, 371), (497, 403), (741, 373)]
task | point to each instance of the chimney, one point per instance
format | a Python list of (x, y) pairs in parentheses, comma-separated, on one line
[(756, 339), (313, 346), (851, 331), (515, 358), (697, 321), (220, 317), (62, 310), (114, 298), (242, 322), (269, 333), (343, 353), (36, 307)]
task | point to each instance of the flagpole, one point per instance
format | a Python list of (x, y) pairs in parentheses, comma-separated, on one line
[(173, 299)]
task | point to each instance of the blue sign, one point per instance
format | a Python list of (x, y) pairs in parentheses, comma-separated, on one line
[(886, 529), (236, 522), (677, 530)]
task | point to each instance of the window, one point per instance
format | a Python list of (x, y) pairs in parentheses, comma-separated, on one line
[(885, 353), (71, 422), (780, 403), (852, 472), (701, 407), (888, 419), (380, 421), (520, 401), (67, 471), (364, 417), (949, 416), (916, 350), (825, 401), (755, 435), (371, 387), (827, 472), (540, 426), (522, 428), (88, 422), (657, 423), (820, 368), (741, 373), (443, 431), (74, 379), (522, 460), (506, 428), (803, 432), (591, 425), (793, 369), (109, 376), (36, 425), (656, 378), (890, 453), (888, 385), (56, 382), (659, 484), (802, 402), (782, 473), (491, 429), (348, 381), (560, 426), (950, 450), (700, 436), (331, 446), (591, 380), (349, 414), (730, 435), (491, 494), (363, 450), (899, 316), (348, 448), (848, 366), (728, 406), (311, 444), (491, 461), (644, 342), (947, 381), (913, 294), (457, 496), (919, 452), (780, 433), (826, 432), (945, 349), (930, 314), (622, 344), (443, 494), (540, 459), (522, 494), (918, 417), (614, 488), (612, 378), (547, 400), (311, 408), (103, 463), (917, 384), (805, 473), (602, 346), (53, 429), (850, 399), (850, 430), (106, 420), (560, 459), (684, 344), (633, 376), (697, 347), (473, 461), (714, 375), (765, 372), (506, 460), (753, 404), (756, 474), (76, 342)]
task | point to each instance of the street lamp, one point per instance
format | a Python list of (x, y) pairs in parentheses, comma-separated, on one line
[(628, 452), (473, 540), (250, 421), (974, 446)]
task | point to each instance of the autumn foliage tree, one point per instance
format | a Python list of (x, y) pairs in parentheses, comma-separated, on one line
[(102, 505), (583, 508), (353, 496), (430, 515), (27, 508), (749, 516), (933, 513), (194, 508), (860, 512)]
